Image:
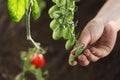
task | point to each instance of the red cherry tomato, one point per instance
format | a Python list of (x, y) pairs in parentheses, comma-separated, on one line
[(38, 60)]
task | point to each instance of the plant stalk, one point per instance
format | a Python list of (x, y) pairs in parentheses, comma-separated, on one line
[(28, 12)]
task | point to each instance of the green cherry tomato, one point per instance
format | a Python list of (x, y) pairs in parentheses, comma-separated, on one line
[(38, 60), (54, 24), (57, 14), (61, 2), (36, 12), (69, 15), (54, 12), (58, 33), (67, 33), (72, 27), (71, 5), (70, 43), (16, 9)]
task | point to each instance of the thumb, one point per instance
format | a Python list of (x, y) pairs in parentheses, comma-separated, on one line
[(85, 37), (91, 33)]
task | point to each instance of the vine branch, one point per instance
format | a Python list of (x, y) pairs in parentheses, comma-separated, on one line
[(28, 12)]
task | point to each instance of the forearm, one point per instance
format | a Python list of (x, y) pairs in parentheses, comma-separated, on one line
[(110, 12)]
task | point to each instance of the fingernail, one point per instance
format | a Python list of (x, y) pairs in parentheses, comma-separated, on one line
[(87, 54), (82, 45), (73, 63), (82, 57), (73, 51), (93, 52)]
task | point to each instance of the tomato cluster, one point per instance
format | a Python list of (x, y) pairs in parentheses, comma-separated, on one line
[(38, 60), (62, 24)]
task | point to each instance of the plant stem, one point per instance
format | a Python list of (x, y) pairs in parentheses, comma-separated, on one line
[(28, 12)]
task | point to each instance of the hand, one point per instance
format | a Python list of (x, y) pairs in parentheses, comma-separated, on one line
[(99, 35), (99, 39)]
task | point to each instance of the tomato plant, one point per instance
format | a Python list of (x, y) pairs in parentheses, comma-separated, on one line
[(62, 25), (17, 9)]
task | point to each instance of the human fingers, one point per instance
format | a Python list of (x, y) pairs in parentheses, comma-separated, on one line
[(90, 56), (82, 59), (106, 43), (72, 53)]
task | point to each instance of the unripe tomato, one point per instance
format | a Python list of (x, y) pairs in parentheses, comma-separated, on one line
[(69, 43), (68, 32), (69, 15), (61, 2), (58, 33), (54, 12), (38, 60), (71, 3), (54, 24)]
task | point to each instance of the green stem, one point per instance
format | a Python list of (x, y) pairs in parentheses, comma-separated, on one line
[(78, 52), (64, 16), (28, 27)]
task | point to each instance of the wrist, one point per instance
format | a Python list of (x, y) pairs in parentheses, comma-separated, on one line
[(109, 14), (113, 25), (111, 22)]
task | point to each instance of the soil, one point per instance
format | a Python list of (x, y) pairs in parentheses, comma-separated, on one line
[(13, 40)]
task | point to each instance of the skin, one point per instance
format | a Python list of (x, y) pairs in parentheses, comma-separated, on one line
[(99, 35)]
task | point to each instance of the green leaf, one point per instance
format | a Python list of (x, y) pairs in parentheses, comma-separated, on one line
[(23, 55), (41, 4), (26, 3), (16, 9), (26, 65), (31, 68), (20, 77), (38, 74), (36, 11)]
